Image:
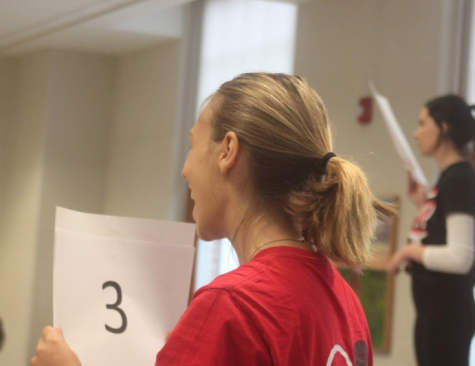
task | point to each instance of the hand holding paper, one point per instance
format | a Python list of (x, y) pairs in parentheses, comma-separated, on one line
[(397, 136)]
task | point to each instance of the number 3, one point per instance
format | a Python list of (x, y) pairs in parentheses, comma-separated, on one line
[(115, 307)]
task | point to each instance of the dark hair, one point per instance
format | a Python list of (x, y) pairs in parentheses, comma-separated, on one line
[(457, 114)]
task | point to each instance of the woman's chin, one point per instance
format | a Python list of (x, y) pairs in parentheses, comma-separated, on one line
[(423, 152), (206, 235)]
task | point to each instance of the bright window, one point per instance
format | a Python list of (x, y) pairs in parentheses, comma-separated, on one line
[(240, 36)]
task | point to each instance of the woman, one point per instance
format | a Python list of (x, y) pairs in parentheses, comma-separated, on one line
[(442, 258), (262, 173)]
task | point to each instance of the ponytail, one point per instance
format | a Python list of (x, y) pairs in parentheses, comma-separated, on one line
[(339, 214)]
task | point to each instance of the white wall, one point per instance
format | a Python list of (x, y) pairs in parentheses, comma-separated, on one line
[(23, 171), (6, 116), (139, 168), (342, 44)]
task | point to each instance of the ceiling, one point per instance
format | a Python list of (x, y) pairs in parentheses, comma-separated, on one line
[(105, 26), (113, 27)]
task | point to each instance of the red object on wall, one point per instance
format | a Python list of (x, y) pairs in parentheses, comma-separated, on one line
[(366, 115)]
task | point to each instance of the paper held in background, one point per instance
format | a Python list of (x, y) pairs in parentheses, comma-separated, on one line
[(397, 136), (120, 285)]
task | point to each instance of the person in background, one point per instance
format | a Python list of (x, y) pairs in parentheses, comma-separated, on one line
[(441, 254), (262, 173)]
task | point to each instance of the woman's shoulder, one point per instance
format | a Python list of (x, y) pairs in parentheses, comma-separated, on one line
[(242, 277), (463, 168), (458, 174), (456, 189), (276, 273)]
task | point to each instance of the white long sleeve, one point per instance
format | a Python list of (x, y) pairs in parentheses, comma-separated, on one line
[(457, 256)]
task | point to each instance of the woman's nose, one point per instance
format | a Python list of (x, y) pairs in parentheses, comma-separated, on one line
[(183, 172)]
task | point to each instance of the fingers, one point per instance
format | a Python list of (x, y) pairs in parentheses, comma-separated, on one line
[(390, 268), (394, 264), (50, 334), (50, 337), (393, 269), (47, 331)]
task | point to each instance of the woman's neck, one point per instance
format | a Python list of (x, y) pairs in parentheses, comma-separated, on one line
[(262, 232), (448, 156)]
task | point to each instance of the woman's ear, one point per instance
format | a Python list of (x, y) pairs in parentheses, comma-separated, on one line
[(228, 152), (445, 129)]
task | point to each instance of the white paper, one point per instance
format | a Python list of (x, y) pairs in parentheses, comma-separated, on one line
[(96, 257), (168, 232), (397, 136)]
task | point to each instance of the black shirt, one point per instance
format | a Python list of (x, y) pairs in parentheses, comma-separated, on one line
[(454, 193)]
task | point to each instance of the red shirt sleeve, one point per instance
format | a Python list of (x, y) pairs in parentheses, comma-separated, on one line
[(214, 330)]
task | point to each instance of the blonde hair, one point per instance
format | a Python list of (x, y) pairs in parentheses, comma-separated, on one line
[(282, 123)]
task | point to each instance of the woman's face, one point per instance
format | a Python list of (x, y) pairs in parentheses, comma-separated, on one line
[(427, 133), (202, 173)]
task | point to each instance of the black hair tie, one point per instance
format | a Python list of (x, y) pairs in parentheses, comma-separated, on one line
[(325, 160)]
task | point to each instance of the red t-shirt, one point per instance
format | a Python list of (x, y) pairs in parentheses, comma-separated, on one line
[(287, 306)]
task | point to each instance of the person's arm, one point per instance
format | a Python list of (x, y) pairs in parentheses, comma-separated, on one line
[(456, 257), (414, 252)]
